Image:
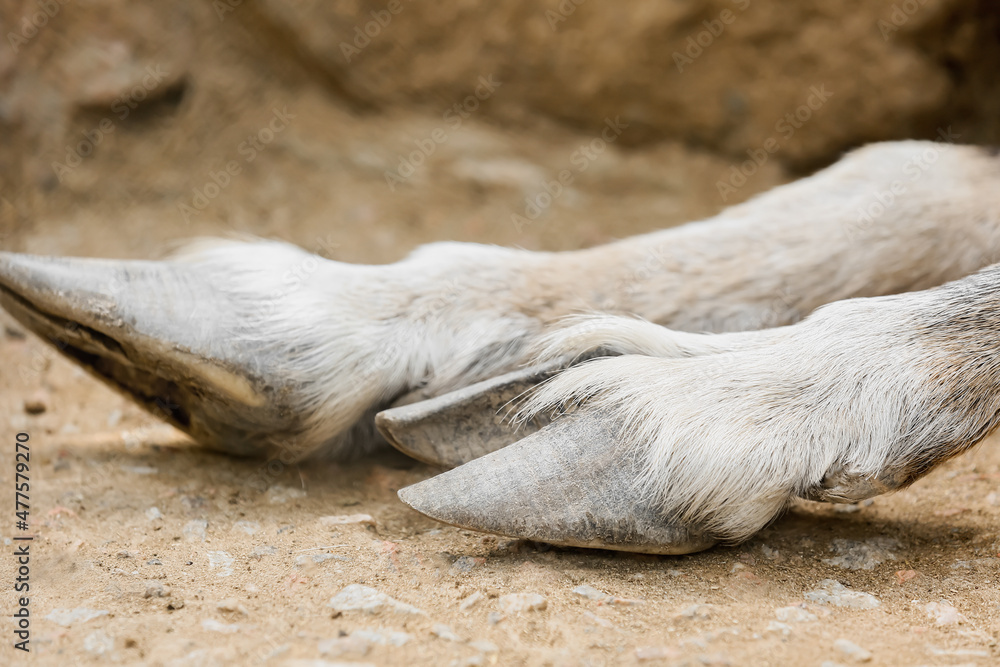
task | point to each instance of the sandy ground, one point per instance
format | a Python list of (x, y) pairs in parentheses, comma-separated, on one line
[(191, 558), (227, 570)]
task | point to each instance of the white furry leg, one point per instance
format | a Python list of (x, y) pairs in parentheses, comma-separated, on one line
[(863, 397), (342, 341)]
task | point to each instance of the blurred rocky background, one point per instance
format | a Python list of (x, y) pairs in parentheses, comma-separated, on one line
[(360, 128)]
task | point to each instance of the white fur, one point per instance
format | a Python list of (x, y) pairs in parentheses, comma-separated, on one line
[(866, 386), (352, 338)]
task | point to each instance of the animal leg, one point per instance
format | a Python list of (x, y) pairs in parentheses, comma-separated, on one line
[(863, 397)]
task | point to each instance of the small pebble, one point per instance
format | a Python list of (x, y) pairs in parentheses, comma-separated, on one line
[(852, 650), (69, 617), (230, 605), (944, 613), (518, 602), (470, 601), (155, 589), (37, 402), (833, 592), (794, 615), (442, 631), (484, 646), (590, 593), (466, 564), (222, 561), (781, 628), (153, 513), (248, 527), (769, 553), (194, 530), (699, 611), (347, 519), (98, 643), (213, 625), (318, 558), (357, 597), (279, 495), (263, 550)]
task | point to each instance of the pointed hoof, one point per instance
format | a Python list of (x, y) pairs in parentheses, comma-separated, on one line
[(160, 333), (570, 484), (465, 424)]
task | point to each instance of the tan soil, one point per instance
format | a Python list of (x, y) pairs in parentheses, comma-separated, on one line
[(99, 463)]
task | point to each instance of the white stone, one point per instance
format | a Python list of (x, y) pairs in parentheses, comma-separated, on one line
[(279, 495), (470, 601), (852, 650), (833, 592), (98, 643), (248, 527), (793, 615), (442, 631), (944, 614), (194, 530), (69, 617), (222, 561), (212, 625), (590, 593), (357, 597), (518, 602), (781, 628)]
